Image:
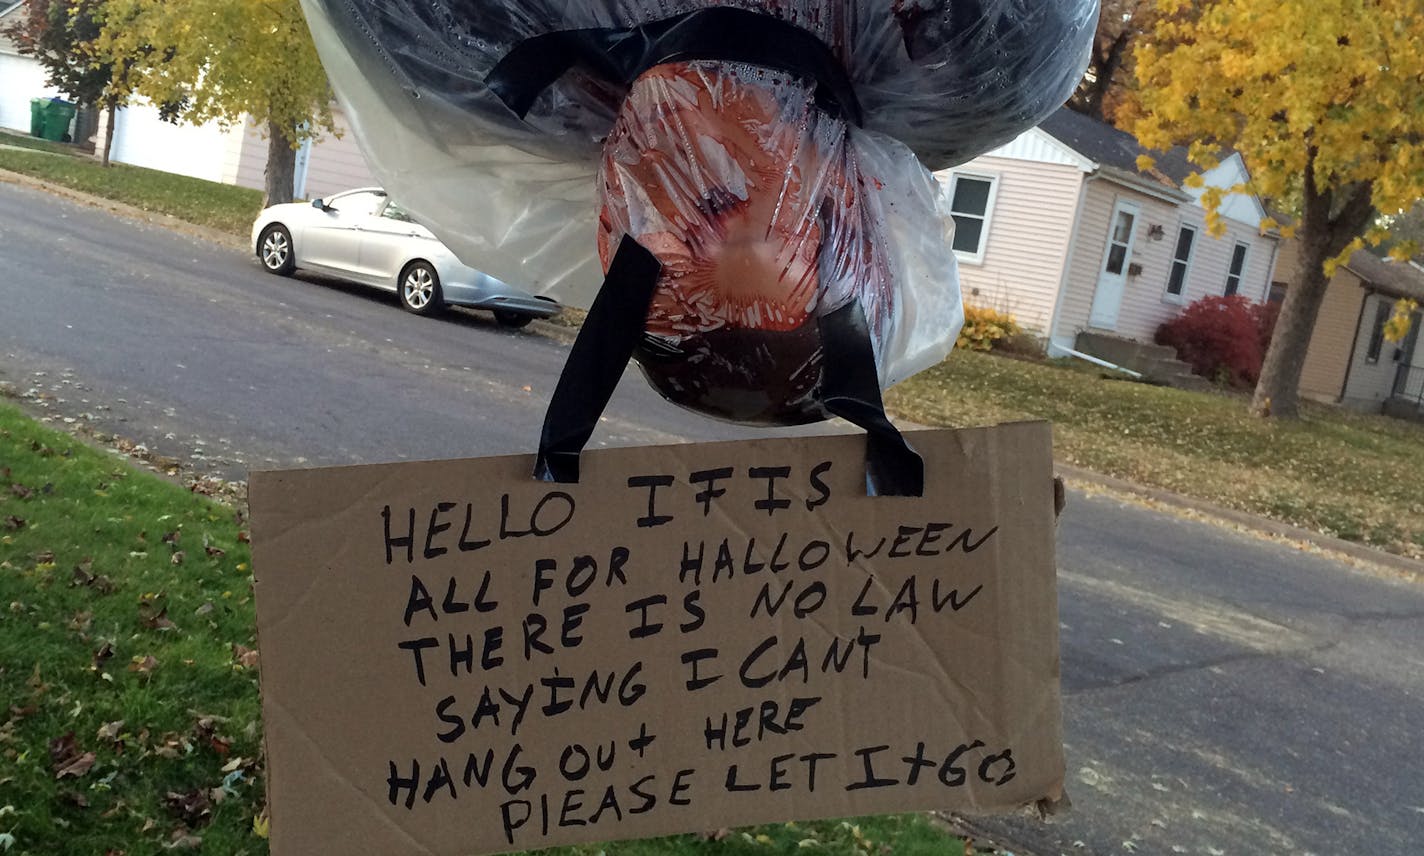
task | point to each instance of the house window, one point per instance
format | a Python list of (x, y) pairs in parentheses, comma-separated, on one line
[(1181, 261), (1383, 311), (1120, 242), (971, 201), (1238, 266)]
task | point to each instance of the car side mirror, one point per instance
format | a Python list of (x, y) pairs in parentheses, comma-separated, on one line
[(320, 204)]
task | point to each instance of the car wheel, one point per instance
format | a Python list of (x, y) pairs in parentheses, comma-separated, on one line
[(420, 289), (512, 319), (274, 250)]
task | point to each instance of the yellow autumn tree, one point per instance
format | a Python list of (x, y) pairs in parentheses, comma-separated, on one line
[(1325, 101), (227, 61)]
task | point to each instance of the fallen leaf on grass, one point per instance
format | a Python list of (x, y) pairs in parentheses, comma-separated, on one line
[(262, 824), (12, 522), (153, 612), (66, 759), (81, 621), (245, 657), (182, 839), (45, 557), (193, 808), (174, 745), (102, 655), (204, 609), (21, 492), (144, 665), (172, 537), (62, 748), (74, 798), (214, 552), (111, 730), (83, 576), (177, 558)]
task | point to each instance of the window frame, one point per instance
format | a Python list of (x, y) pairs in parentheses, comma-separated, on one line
[(1240, 276), (975, 258), (1384, 310), (1181, 296)]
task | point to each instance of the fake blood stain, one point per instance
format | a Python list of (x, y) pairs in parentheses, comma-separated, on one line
[(749, 196)]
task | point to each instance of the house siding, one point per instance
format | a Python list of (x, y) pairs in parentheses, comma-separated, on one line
[(1322, 377), (337, 164), (1146, 305), (141, 138), (334, 164), (1030, 228)]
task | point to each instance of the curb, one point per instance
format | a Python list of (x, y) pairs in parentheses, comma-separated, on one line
[(1243, 519), (123, 209), (1076, 475)]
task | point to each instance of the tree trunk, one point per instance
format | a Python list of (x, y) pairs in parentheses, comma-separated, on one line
[(1278, 390), (1092, 97), (281, 165), (113, 105), (1331, 218)]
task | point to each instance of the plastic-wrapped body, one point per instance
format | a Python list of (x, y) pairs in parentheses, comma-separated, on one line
[(949, 79), (754, 170)]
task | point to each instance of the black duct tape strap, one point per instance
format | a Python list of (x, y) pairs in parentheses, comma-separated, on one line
[(605, 343), (850, 389), (620, 54)]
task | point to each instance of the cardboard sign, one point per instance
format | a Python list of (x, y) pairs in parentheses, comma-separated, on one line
[(457, 659)]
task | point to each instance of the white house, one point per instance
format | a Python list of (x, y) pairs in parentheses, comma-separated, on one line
[(21, 77), (1061, 229), (236, 155)]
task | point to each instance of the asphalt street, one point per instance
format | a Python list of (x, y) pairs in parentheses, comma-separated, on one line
[(1222, 694)]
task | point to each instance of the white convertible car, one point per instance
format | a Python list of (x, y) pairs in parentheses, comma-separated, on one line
[(363, 236)]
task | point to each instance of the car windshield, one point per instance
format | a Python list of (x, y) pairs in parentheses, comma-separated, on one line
[(395, 212), (357, 204)]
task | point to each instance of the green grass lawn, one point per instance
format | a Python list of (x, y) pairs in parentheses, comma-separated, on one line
[(1349, 475), (9, 138), (130, 720), (225, 207)]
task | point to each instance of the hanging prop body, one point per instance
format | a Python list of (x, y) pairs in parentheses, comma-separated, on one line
[(747, 180)]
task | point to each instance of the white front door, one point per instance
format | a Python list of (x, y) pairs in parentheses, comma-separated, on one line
[(1112, 277)]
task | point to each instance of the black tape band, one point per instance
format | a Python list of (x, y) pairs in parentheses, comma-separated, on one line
[(850, 389), (621, 54), (605, 343)]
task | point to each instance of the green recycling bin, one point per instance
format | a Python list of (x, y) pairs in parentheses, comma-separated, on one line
[(37, 117), (58, 113)]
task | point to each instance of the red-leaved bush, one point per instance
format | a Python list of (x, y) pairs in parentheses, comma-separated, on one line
[(1222, 338)]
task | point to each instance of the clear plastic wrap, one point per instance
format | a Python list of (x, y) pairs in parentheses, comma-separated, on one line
[(766, 210)]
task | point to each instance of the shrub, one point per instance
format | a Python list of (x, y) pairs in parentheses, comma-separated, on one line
[(1222, 338), (984, 328)]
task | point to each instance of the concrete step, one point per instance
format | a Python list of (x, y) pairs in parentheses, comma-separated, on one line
[(1120, 351), (1162, 369), (1187, 380)]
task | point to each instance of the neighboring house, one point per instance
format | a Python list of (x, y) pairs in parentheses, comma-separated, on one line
[(1349, 361), (1061, 229), (21, 77), (236, 155)]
